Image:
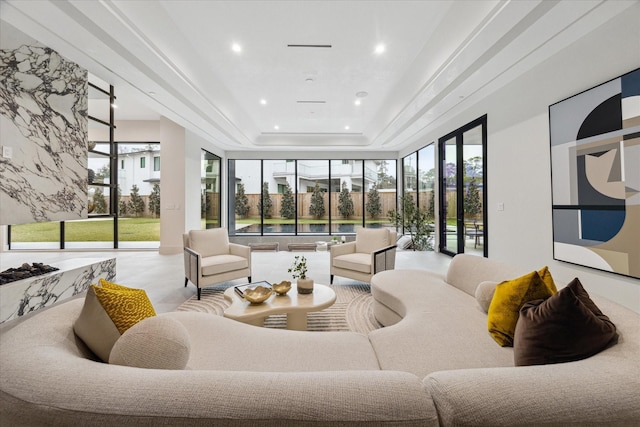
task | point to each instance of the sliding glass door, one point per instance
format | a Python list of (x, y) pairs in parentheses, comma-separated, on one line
[(462, 176)]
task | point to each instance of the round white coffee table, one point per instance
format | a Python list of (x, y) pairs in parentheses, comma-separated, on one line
[(294, 305)]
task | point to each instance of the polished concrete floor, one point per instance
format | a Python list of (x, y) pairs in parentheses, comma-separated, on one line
[(162, 276)]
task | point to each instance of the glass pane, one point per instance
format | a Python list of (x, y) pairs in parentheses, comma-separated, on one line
[(410, 180), (278, 196), (89, 233), (210, 190), (98, 103), (39, 235), (313, 200), (427, 180), (99, 200), (248, 187), (138, 196), (347, 184), (380, 192), (449, 219), (473, 188)]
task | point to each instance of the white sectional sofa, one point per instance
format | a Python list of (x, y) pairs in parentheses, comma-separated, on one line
[(433, 363)]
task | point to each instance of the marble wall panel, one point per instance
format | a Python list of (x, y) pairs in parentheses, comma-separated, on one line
[(75, 275), (43, 121)]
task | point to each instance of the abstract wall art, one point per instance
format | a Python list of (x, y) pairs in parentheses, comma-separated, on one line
[(595, 171)]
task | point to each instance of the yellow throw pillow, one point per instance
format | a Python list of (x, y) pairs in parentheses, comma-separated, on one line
[(108, 311), (547, 279), (509, 297), (125, 306)]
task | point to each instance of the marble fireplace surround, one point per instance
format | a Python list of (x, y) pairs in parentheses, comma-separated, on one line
[(43, 125), (73, 277)]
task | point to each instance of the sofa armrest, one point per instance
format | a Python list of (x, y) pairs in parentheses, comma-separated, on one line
[(384, 258), (343, 249), (586, 392), (192, 263)]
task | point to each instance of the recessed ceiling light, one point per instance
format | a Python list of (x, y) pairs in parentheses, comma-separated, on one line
[(236, 48), (357, 102), (263, 101), (380, 48), (361, 94), (308, 80), (276, 127), (346, 127)]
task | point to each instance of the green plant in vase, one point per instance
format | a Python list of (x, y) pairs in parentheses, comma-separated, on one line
[(298, 271)]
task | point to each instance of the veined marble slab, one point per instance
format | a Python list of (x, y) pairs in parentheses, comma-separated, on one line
[(43, 121), (75, 275)]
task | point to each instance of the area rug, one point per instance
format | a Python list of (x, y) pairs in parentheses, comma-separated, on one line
[(352, 311)]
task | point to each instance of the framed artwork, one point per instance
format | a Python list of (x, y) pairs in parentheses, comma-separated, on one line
[(595, 175)]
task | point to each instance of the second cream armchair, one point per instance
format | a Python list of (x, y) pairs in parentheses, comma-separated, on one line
[(209, 258), (374, 250)]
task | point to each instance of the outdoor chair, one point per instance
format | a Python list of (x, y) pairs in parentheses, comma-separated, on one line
[(473, 230), (374, 250), (209, 258)]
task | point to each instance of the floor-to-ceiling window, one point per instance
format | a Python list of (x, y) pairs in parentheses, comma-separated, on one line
[(348, 182), (313, 196), (463, 190), (380, 192), (245, 187), (307, 197), (210, 204)]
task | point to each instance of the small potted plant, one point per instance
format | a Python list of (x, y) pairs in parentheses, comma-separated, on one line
[(298, 271)]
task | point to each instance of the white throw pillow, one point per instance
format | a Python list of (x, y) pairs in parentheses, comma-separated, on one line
[(157, 342), (484, 294)]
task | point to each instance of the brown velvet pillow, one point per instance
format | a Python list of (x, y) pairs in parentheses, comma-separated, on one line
[(565, 327)]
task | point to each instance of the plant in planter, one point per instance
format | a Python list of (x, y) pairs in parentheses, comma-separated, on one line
[(298, 271)]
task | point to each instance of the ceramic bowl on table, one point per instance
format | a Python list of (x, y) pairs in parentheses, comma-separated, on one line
[(282, 288), (257, 295)]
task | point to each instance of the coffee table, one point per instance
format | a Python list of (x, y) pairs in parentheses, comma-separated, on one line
[(294, 305)]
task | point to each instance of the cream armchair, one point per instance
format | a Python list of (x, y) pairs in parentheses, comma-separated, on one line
[(209, 258), (374, 250)]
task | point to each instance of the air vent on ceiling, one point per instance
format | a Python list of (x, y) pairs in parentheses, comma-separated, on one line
[(310, 45), (311, 102)]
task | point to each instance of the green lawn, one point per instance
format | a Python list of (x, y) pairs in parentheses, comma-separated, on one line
[(97, 230)]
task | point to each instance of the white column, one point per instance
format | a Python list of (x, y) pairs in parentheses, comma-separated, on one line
[(172, 199)]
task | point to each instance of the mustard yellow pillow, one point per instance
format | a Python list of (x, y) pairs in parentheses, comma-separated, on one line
[(509, 297), (125, 306), (108, 311)]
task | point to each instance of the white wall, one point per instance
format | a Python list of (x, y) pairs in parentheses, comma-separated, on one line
[(518, 159)]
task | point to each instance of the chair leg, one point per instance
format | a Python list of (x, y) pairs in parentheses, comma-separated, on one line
[(249, 279), (331, 280), (186, 280), (199, 291)]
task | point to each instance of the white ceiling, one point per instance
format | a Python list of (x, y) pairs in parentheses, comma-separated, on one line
[(174, 58)]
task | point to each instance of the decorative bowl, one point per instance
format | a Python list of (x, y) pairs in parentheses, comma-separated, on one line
[(257, 295), (282, 288)]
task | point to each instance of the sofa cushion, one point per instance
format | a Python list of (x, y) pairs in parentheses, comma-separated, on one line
[(357, 261), (108, 311), (567, 326), (369, 240), (484, 294), (158, 342), (214, 241), (223, 263), (509, 297)]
